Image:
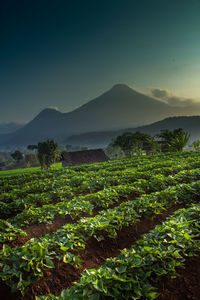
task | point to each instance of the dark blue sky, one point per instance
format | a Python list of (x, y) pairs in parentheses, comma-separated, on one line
[(64, 53)]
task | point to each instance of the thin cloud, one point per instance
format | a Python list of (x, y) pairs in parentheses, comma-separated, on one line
[(171, 99), (53, 107), (159, 93)]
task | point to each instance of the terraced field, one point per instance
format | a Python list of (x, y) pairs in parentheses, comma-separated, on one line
[(117, 230)]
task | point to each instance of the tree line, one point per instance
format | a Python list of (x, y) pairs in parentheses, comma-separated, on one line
[(130, 143), (165, 141)]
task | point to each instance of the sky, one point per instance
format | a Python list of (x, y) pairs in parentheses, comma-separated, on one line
[(64, 53)]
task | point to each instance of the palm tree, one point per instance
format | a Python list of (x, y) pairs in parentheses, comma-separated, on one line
[(178, 143), (174, 140), (196, 145)]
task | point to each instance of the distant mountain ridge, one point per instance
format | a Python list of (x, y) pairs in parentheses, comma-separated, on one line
[(96, 139), (10, 127), (119, 108)]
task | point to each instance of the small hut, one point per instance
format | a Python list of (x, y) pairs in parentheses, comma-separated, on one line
[(83, 157)]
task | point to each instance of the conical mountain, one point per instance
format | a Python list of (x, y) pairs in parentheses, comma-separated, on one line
[(118, 108)]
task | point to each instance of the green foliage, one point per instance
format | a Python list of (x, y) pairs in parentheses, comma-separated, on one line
[(31, 158), (26, 171), (113, 152), (131, 275), (32, 147), (166, 135), (132, 142), (47, 153), (2, 161), (17, 155), (140, 140), (196, 145), (174, 140), (107, 222), (178, 143), (125, 142), (126, 191), (153, 146)]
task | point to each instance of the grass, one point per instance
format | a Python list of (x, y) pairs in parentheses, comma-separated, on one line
[(16, 172)]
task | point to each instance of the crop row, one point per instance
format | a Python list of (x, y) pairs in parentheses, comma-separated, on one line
[(31, 180), (65, 188), (132, 273), (12, 182), (23, 265), (79, 206), (108, 196), (137, 161), (15, 180)]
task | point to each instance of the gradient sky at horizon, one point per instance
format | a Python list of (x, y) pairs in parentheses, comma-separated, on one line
[(65, 53)]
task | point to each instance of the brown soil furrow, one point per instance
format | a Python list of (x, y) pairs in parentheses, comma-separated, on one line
[(95, 254), (187, 284), (40, 204), (5, 293), (40, 229)]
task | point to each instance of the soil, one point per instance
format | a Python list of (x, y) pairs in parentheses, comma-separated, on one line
[(63, 275), (95, 254), (186, 286), (5, 293), (40, 229)]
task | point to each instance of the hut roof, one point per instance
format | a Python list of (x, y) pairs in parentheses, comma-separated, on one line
[(83, 157)]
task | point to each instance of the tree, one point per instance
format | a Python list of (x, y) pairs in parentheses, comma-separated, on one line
[(196, 145), (31, 159), (2, 161), (17, 155), (152, 146), (130, 142), (174, 140), (1, 158), (140, 141), (32, 147), (178, 143), (47, 153), (113, 152), (125, 142)]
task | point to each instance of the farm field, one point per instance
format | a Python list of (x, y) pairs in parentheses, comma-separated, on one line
[(16, 172), (123, 229)]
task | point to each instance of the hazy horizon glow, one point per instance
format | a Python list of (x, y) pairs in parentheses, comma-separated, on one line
[(61, 54)]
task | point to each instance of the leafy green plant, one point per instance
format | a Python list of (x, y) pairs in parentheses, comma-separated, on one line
[(131, 274)]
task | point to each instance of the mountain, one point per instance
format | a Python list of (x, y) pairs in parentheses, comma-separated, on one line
[(118, 108), (9, 127), (102, 139)]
